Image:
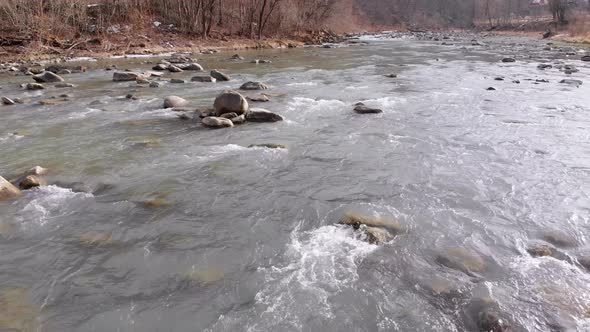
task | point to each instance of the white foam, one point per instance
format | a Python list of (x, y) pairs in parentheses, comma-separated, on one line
[(303, 84), (47, 202), (321, 262)]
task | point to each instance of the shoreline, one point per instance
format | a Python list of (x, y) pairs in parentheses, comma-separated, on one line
[(44, 54)]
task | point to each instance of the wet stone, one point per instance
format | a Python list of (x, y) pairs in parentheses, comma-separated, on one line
[(362, 109), (216, 122), (253, 86), (8, 101), (267, 145), (461, 260), (507, 60), (539, 250), (559, 239)]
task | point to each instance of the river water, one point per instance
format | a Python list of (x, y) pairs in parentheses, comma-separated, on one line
[(175, 227)]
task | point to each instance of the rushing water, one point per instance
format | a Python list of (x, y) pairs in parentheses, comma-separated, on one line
[(182, 228)]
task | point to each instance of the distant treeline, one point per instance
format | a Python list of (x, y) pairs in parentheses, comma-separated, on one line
[(47, 19)]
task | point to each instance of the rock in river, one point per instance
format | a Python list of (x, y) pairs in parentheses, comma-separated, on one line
[(544, 66), (262, 115), (356, 220), (191, 66), (216, 122), (254, 86), (571, 82), (174, 101), (559, 239), (261, 98), (461, 260), (586, 58), (219, 75), (7, 190), (238, 119), (203, 78), (509, 60), (31, 181), (8, 101), (47, 77), (540, 250), (127, 76), (230, 101), (35, 86), (362, 109), (267, 145)]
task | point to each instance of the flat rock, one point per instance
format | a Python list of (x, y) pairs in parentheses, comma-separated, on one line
[(509, 60), (586, 58), (262, 115), (47, 77), (176, 81), (191, 66), (8, 101), (356, 220), (259, 98), (461, 260), (570, 81), (64, 85), (253, 86), (174, 101), (267, 145), (544, 66), (362, 109), (216, 122)]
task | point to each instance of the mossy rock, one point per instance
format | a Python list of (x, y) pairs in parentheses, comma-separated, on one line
[(356, 220), (268, 145)]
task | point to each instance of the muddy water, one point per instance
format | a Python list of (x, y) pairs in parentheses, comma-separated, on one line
[(174, 227)]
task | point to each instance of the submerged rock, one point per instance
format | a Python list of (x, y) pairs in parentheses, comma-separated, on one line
[(571, 82), (219, 75), (491, 89), (356, 220), (490, 321), (268, 145), (544, 66), (154, 85), (559, 239), (377, 235), (539, 250), (7, 190), (174, 101), (216, 122), (461, 260), (127, 76), (261, 98), (390, 75), (176, 81), (47, 77), (64, 85), (585, 262), (586, 58), (254, 86), (509, 60), (230, 101), (262, 115), (362, 109)]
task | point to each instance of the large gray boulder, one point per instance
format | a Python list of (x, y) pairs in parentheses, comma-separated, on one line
[(7, 190), (230, 101), (174, 101), (262, 115), (123, 76), (216, 122), (47, 77), (254, 86)]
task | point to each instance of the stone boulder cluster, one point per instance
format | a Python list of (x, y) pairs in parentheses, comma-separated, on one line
[(27, 180)]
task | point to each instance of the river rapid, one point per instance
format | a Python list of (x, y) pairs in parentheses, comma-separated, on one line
[(152, 223)]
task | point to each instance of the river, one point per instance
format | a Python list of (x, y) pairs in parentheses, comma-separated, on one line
[(171, 226)]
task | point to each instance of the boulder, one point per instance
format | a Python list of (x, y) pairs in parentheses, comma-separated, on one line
[(31, 181), (461, 260), (8, 101), (176, 81), (490, 321), (174, 101), (35, 86), (216, 122), (544, 66), (154, 85), (377, 235), (509, 60), (362, 109), (203, 78), (356, 220), (586, 58), (259, 98), (47, 77), (491, 89), (7, 190), (219, 75), (253, 86), (191, 66), (262, 115), (230, 101), (120, 76)]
